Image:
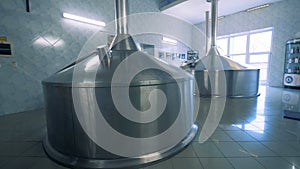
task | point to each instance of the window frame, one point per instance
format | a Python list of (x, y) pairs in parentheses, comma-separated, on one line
[(248, 53)]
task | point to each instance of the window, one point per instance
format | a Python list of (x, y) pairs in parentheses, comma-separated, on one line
[(252, 48), (222, 46), (259, 58), (239, 58), (238, 45), (260, 42)]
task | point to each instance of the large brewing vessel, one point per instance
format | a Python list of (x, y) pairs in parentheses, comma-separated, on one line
[(100, 116), (218, 75)]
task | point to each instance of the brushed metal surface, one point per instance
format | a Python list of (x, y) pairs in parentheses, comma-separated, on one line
[(240, 83), (68, 141), (142, 161), (217, 75), (65, 133), (104, 75)]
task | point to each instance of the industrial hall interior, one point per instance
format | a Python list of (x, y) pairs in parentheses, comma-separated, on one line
[(149, 84)]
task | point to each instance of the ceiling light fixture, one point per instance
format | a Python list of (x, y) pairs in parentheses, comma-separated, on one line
[(258, 7), (221, 17), (169, 40), (82, 19)]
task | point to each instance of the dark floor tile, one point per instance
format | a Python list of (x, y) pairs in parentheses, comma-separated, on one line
[(35, 151), (45, 163), (20, 163), (282, 148), (245, 163), (282, 135), (8, 149), (240, 136), (220, 136), (188, 152), (190, 163), (162, 165), (33, 135), (216, 163), (295, 161), (257, 149), (274, 163), (228, 127), (207, 149), (3, 161), (232, 149), (261, 135)]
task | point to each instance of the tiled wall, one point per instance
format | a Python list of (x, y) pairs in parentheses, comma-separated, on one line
[(44, 42), (283, 16), (163, 47)]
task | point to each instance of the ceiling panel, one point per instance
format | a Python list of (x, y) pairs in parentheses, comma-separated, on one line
[(193, 11)]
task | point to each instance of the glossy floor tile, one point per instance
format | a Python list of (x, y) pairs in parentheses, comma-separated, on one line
[(190, 163), (240, 136), (209, 163), (275, 163), (282, 148), (245, 163), (252, 134), (295, 161), (232, 149), (220, 136), (207, 149), (188, 152), (257, 149)]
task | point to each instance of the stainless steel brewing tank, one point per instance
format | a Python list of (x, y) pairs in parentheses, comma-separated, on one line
[(239, 80), (68, 142), (240, 83), (217, 75)]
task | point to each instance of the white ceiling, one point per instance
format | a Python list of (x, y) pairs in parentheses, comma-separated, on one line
[(193, 11)]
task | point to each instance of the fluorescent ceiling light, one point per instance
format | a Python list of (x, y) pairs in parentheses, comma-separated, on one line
[(82, 19), (221, 17), (169, 40), (258, 7)]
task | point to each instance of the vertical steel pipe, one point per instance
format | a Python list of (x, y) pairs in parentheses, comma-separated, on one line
[(214, 21), (27, 6), (121, 16), (217, 75), (207, 37), (122, 41)]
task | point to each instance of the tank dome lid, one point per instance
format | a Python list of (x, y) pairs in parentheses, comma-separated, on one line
[(95, 71), (214, 61)]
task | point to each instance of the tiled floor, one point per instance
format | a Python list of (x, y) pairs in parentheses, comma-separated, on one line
[(252, 134)]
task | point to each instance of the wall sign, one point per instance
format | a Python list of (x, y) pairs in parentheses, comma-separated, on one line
[(5, 48)]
